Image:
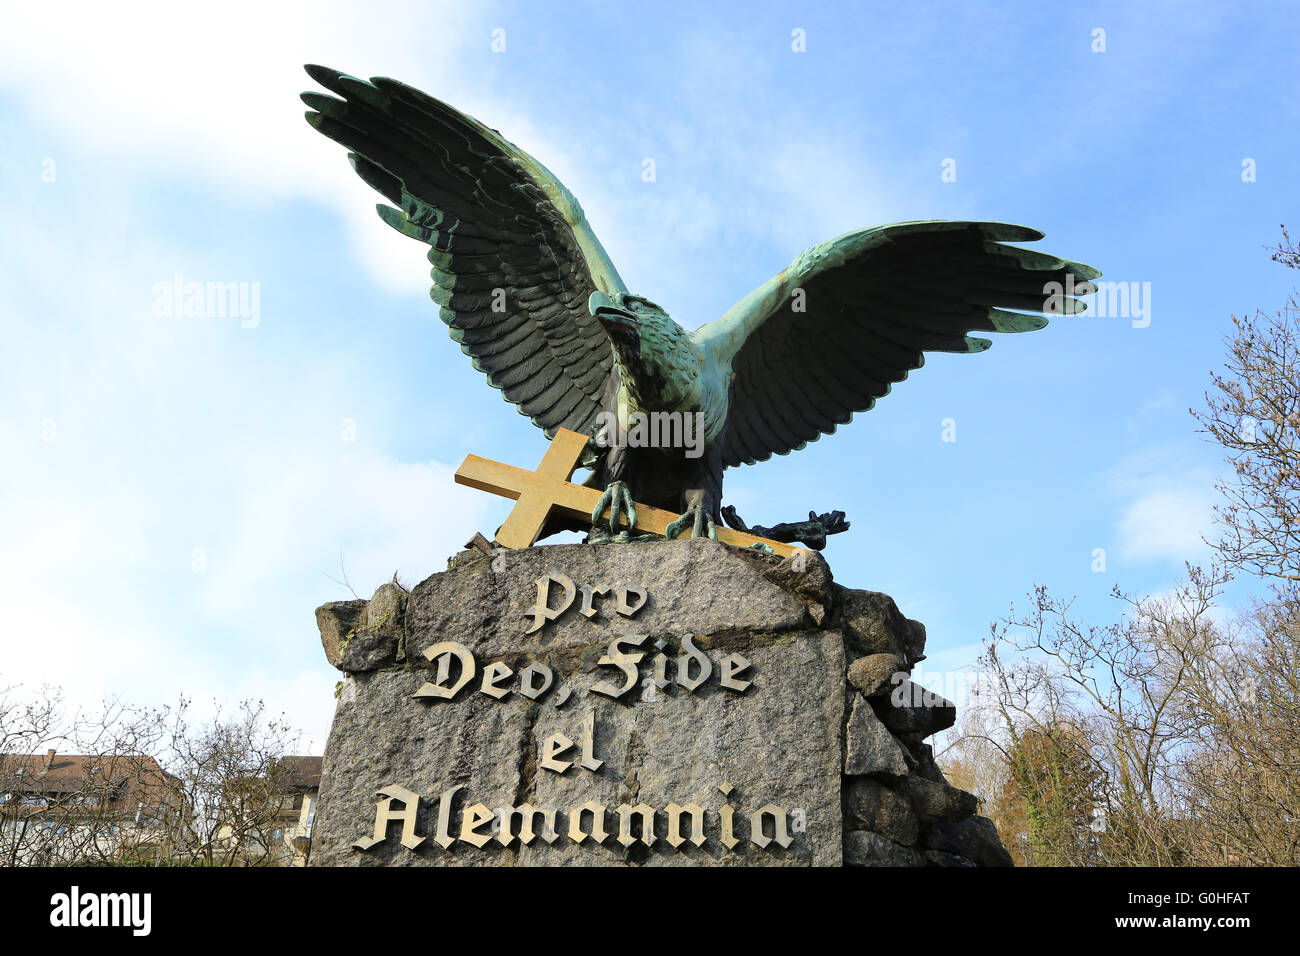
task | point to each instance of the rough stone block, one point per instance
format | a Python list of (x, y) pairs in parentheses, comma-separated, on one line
[(869, 805), (975, 839), (874, 674), (870, 749), (337, 620), (936, 802), (701, 584), (864, 848), (911, 709), (872, 624)]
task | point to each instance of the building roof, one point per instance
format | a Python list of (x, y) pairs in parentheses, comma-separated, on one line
[(300, 773), (116, 777)]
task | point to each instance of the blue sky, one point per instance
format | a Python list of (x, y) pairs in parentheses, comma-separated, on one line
[(176, 491)]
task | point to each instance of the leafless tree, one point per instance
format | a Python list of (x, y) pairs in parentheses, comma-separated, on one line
[(1241, 783), (1254, 414), (231, 774), (1166, 738), (76, 788), (126, 785)]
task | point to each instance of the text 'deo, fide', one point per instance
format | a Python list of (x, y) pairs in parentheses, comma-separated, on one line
[(689, 670)]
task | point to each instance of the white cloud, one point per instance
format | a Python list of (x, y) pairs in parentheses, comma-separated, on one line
[(1166, 525), (1168, 507), (386, 516), (176, 91)]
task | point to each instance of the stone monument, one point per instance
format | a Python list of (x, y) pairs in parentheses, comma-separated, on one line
[(660, 703), (682, 688)]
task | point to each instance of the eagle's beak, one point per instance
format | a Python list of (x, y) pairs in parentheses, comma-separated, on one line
[(617, 322)]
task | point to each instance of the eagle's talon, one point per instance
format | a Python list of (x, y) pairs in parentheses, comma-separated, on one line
[(699, 520), (616, 497)]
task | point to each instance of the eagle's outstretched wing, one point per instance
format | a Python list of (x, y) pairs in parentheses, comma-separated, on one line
[(513, 257), (848, 318)]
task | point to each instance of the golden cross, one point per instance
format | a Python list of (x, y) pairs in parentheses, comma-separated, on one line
[(537, 492)]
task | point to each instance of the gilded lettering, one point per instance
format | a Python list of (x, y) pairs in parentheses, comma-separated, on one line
[(552, 747), (528, 680), (728, 815), (527, 814), (443, 652), (704, 666), (477, 815), (625, 607), (780, 832), (444, 838), (588, 609), (542, 611), (732, 665), (598, 832), (493, 674), (675, 812), (385, 814), (624, 662), (589, 758), (626, 813)]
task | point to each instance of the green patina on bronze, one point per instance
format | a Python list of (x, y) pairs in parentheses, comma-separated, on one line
[(529, 293)]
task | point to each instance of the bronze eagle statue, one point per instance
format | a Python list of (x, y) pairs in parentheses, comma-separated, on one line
[(529, 293)]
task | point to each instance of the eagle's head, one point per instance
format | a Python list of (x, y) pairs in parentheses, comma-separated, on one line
[(623, 316), (657, 358)]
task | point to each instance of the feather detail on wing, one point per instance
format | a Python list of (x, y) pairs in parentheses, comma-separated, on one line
[(828, 336), (513, 257)]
